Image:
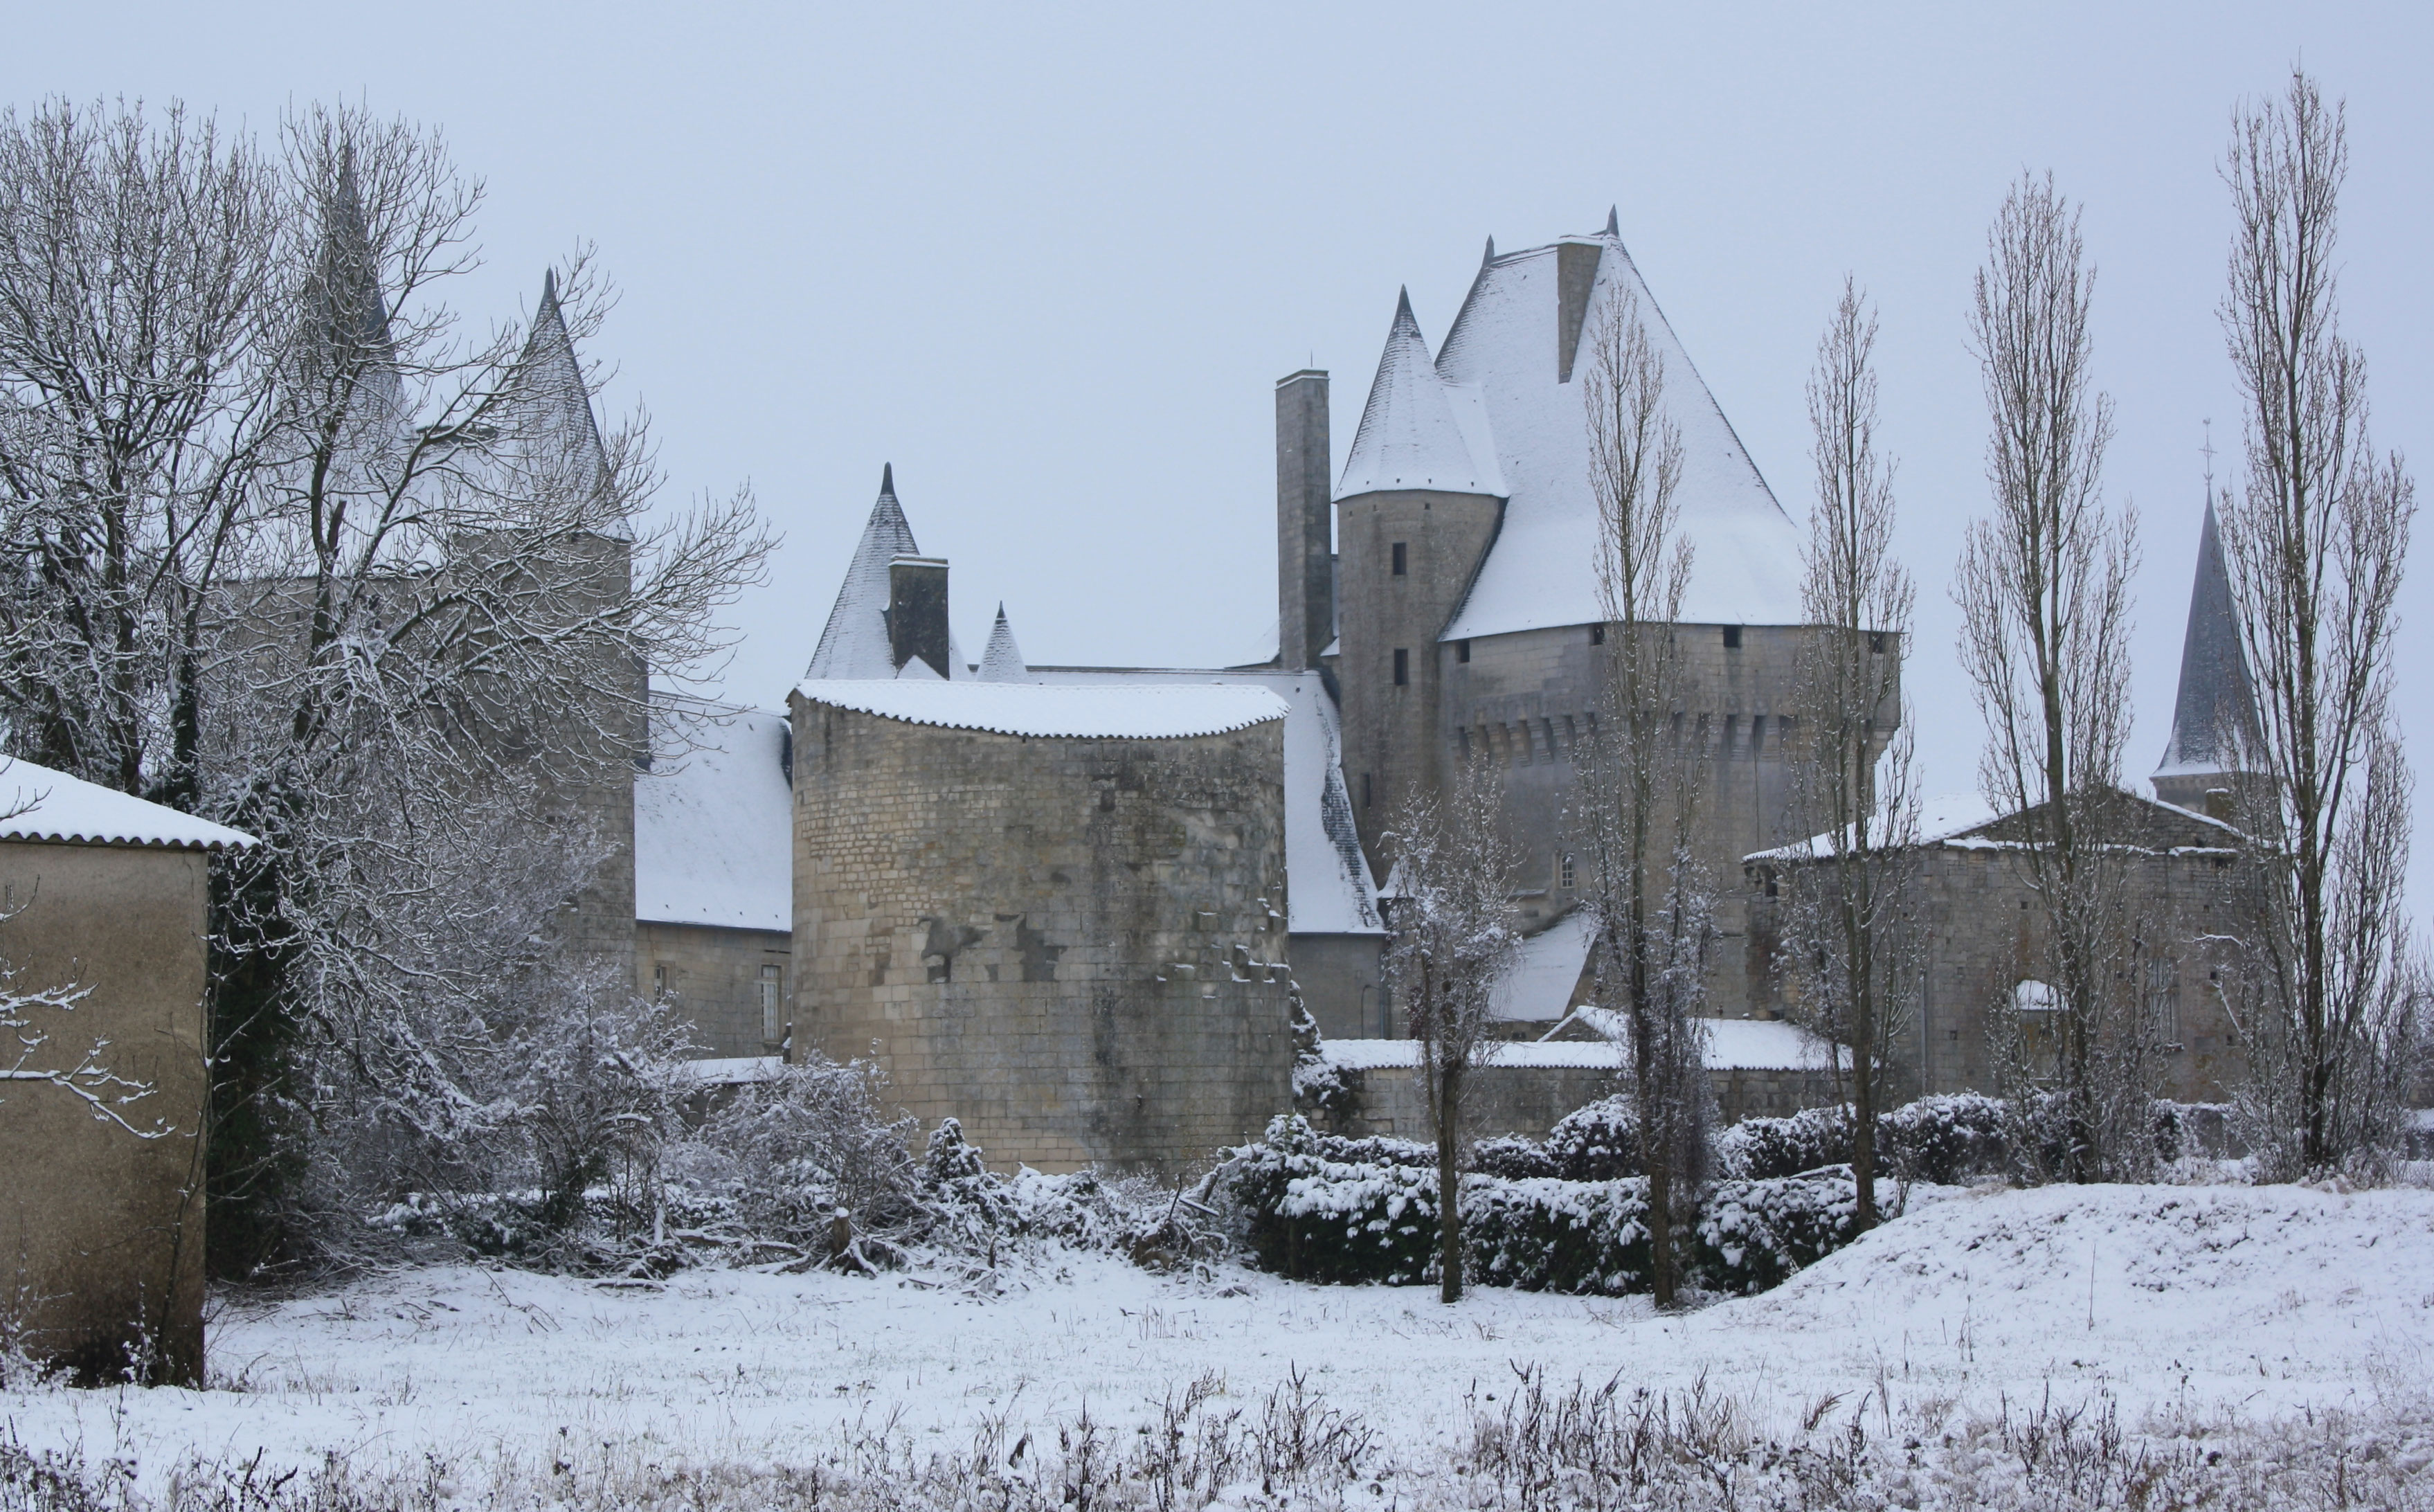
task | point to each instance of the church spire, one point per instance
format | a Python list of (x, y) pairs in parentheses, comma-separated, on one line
[(2213, 714), (1002, 660)]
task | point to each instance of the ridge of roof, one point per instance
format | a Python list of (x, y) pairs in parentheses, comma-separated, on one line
[(1410, 436)]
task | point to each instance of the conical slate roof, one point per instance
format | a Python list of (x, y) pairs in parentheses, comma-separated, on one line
[(563, 441), (1409, 437), (2214, 717), (1508, 346), (855, 643), (1003, 659), (352, 314)]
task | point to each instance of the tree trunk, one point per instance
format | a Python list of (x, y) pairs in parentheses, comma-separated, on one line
[(1449, 1186)]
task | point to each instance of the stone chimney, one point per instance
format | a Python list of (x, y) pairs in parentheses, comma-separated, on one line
[(1305, 509), (916, 613)]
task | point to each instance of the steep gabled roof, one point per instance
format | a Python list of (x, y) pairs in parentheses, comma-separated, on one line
[(1511, 342), (1001, 659), (2214, 717), (1410, 436), (854, 644)]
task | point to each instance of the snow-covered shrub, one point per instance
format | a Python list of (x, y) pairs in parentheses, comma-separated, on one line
[(1309, 1214), (1760, 1149), (1512, 1158), (1319, 1087), (1543, 1234), (1754, 1235), (790, 1151), (1596, 1142), (1946, 1139)]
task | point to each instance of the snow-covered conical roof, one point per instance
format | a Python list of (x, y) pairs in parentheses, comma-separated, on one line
[(1410, 436), (352, 314), (1506, 346), (854, 644), (2213, 717), (1002, 661), (562, 434)]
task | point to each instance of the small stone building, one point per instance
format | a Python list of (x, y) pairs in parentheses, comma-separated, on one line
[(1055, 913), (102, 1078)]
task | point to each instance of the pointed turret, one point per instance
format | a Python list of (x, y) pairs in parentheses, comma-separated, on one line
[(2214, 715), (560, 442), (1002, 660), (1614, 222), (1409, 437), (855, 643), (352, 314)]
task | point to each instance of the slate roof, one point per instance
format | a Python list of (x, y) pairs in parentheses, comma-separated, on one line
[(713, 818), (1001, 659), (2214, 716), (854, 643), (1409, 436), (1119, 712), (557, 403), (1505, 356)]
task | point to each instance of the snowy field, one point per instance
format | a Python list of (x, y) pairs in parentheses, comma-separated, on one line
[(2212, 1307)]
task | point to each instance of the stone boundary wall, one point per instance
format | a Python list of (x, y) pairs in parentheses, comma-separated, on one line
[(1073, 945), (1531, 1100)]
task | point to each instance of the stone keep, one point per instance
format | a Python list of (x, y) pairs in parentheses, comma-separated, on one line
[(1065, 927)]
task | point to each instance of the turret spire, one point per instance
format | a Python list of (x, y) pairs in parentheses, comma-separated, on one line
[(1409, 437), (1002, 660), (1614, 222), (855, 643)]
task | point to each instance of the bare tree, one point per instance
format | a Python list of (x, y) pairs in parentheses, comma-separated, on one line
[(1453, 934), (1638, 773), (1850, 938), (2316, 543), (2044, 589), (380, 593)]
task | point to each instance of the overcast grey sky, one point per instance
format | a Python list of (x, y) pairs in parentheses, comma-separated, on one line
[(1049, 261)]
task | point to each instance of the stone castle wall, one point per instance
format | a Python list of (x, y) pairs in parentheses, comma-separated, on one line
[(712, 974), (1075, 946), (1389, 1102)]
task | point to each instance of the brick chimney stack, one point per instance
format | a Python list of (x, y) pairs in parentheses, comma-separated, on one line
[(1305, 534)]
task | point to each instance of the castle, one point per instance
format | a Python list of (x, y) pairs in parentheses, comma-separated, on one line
[(1068, 904)]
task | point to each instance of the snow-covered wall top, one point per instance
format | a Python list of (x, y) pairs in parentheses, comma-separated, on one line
[(1327, 891), (1542, 571), (1123, 712), (37, 804), (713, 819)]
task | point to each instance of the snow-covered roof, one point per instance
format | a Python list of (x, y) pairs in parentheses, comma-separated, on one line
[(854, 643), (1327, 891), (563, 441), (1939, 819), (1410, 436), (1503, 388), (1002, 661), (1537, 987), (713, 819), (1123, 712), (38, 803), (1733, 1044)]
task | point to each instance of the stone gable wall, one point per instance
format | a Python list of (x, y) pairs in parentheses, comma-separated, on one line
[(1073, 946)]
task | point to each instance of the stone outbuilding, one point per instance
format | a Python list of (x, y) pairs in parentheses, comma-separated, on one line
[(1055, 913), (102, 1074)]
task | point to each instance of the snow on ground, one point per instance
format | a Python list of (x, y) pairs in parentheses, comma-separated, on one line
[(2255, 1301)]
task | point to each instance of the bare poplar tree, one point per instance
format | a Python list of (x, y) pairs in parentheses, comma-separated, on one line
[(375, 589), (1453, 934), (1638, 773), (2316, 543), (2044, 589), (1850, 938)]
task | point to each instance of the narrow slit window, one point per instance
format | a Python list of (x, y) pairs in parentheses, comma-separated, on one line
[(1462, 650), (1364, 790), (1732, 637), (1402, 560), (1402, 666)]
